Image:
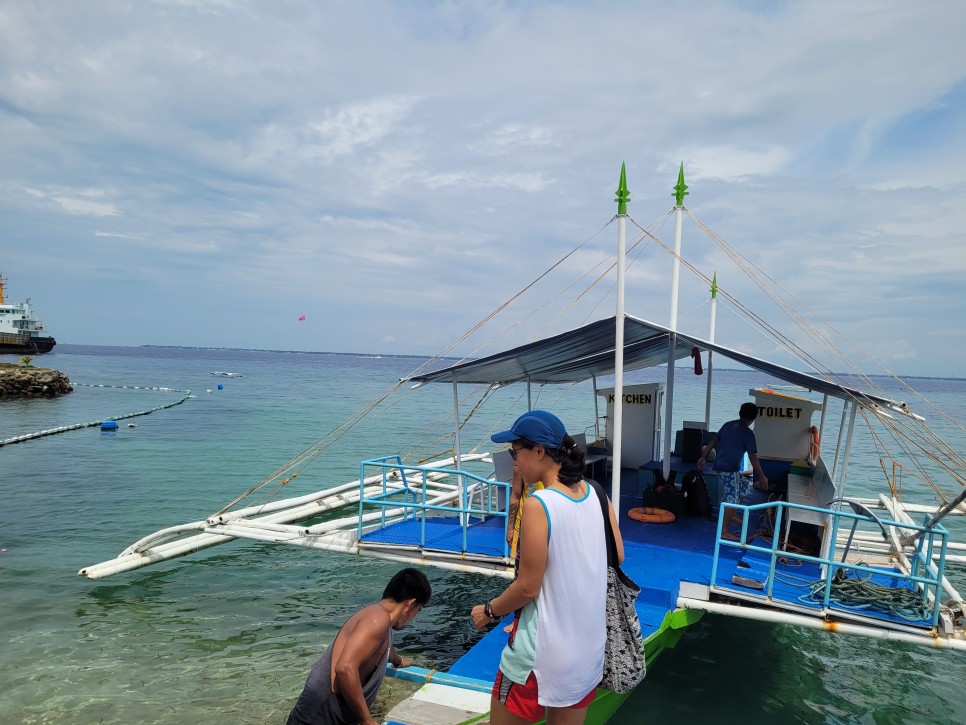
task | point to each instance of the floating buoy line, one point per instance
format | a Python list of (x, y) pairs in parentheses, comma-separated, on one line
[(185, 394)]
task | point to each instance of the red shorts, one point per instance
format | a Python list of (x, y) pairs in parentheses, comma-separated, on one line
[(522, 701)]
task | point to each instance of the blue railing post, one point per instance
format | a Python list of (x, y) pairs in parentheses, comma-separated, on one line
[(924, 576), (939, 575), (775, 539), (717, 542), (464, 515), (362, 498), (415, 504), (422, 526), (830, 562)]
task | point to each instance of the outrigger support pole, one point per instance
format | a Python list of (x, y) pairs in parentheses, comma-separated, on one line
[(935, 518)]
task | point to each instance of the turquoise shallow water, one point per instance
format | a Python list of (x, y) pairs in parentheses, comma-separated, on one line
[(228, 635)]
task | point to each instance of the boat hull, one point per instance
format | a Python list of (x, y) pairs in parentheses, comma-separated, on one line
[(25, 345), (666, 637)]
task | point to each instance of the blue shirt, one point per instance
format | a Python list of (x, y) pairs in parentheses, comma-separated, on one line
[(734, 440)]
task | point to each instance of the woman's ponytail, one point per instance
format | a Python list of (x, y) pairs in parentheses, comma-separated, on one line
[(571, 462)]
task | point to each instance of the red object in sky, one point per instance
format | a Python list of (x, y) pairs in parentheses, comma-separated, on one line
[(301, 318)]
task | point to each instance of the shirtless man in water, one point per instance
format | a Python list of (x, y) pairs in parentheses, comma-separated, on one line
[(344, 681)]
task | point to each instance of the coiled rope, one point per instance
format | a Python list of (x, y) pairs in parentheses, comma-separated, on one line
[(862, 594)]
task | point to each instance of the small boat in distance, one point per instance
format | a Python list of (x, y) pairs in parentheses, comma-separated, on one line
[(224, 374), (21, 330)]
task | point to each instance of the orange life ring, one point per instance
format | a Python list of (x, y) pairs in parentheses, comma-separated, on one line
[(813, 448), (651, 515)]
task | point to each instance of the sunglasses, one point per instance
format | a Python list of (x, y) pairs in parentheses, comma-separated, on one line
[(514, 451)]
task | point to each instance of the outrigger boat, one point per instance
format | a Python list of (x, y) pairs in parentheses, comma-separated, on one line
[(807, 554)]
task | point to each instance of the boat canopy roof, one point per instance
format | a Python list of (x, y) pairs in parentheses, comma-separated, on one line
[(588, 351)]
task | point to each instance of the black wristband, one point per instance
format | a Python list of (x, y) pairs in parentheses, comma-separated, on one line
[(488, 611)]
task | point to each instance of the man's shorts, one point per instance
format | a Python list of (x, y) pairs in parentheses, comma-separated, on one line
[(734, 486), (522, 700)]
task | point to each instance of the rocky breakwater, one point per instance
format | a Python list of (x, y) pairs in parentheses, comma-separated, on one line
[(30, 382)]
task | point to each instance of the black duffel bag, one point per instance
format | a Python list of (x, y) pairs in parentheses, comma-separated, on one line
[(664, 497)]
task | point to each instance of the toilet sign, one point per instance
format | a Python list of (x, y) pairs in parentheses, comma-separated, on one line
[(783, 422)]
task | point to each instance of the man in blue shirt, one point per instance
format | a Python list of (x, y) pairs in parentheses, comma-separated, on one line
[(733, 441)]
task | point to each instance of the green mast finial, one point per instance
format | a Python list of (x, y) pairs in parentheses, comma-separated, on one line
[(714, 286), (623, 195), (681, 190)]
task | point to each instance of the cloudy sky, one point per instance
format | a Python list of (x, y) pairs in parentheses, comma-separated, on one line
[(203, 172)]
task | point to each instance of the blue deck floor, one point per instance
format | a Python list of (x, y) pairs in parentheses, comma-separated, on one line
[(657, 556)]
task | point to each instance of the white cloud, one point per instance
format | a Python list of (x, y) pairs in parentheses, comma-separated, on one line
[(512, 137), (361, 124), (77, 201), (728, 163), (86, 206), (229, 145)]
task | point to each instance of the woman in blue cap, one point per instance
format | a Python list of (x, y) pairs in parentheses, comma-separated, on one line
[(554, 659)]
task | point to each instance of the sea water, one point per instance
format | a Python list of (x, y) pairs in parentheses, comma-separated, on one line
[(228, 635)]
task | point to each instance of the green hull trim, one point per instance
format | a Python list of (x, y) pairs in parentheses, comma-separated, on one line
[(666, 637)]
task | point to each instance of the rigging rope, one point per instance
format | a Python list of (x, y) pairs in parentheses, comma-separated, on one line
[(905, 430), (283, 475)]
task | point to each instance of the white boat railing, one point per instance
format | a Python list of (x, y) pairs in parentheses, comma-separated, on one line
[(411, 496), (926, 564)]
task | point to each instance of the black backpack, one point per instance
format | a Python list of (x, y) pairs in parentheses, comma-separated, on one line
[(696, 501), (662, 495)]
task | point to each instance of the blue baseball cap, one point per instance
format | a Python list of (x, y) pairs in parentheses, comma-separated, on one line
[(537, 426)]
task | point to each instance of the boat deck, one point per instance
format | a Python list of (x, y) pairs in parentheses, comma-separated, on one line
[(660, 557)]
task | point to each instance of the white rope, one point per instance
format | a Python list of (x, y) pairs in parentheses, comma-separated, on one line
[(76, 426)]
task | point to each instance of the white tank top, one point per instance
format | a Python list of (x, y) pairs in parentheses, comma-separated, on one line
[(564, 629)]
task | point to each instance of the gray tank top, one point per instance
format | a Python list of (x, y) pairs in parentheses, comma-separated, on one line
[(318, 705)]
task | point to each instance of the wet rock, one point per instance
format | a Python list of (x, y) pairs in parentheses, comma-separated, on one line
[(16, 380)]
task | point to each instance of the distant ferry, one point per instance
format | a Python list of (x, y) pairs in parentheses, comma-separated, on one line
[(224, 374), (21, 332)]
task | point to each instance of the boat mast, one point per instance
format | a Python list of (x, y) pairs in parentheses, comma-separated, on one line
[(623, 196), (680, 191), (714, 315)]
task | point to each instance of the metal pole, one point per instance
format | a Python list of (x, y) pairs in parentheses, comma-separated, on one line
[(623, 196), (838, 442), (714, 315), (829, 541), (457, 452), (821, 427), (840, 490), (596, 410), (680, 191), (456, 413)]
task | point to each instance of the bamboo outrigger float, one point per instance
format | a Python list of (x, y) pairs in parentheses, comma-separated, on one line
[(878, 568)]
